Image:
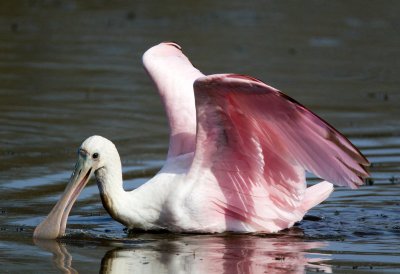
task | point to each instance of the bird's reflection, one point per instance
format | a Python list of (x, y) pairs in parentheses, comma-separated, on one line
[(61, 257), (170, 253)]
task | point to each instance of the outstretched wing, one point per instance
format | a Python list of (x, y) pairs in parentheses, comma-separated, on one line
[(235, 108), (173, 75), (257, 142)]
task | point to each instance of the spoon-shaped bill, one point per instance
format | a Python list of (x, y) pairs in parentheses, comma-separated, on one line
[(53, 226)]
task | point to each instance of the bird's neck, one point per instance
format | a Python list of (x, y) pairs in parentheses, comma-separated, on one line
[(112, 193)]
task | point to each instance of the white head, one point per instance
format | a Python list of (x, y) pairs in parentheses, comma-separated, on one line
[(98, 152), (95, 153)]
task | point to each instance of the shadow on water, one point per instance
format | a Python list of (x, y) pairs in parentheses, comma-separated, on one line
[(171, 253)]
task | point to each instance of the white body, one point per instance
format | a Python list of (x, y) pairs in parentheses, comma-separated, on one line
[(237, 158)]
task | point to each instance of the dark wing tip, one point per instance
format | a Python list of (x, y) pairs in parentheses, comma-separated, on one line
[(233, 82), (244, 77), (229, 77), (170, 43)]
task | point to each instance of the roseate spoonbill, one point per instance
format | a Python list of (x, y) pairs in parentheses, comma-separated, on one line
[(237, 158)]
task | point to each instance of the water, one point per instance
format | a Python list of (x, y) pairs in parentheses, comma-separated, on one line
[(72, 69)]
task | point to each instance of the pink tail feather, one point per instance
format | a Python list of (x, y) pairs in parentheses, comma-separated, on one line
[(316, 194)]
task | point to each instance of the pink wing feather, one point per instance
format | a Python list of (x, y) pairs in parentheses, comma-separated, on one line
[(252, 146), (257, 142), (173, 74), (247, 108)]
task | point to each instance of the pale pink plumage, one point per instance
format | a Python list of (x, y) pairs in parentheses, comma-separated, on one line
[(237, 158), (173, 76), (253, 145)]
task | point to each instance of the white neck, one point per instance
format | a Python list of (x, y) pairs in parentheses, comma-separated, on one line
[(125, 207), (143, 207), (109, 181)]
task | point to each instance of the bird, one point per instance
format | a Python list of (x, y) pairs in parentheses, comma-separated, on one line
[(238, 154)]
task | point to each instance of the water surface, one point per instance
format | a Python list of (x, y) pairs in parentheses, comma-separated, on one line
[(72, 69)]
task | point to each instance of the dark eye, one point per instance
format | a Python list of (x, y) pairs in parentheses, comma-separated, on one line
[(95, 155)]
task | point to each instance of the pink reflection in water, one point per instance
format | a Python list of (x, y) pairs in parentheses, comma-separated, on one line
[(166, 253), (219, 254)]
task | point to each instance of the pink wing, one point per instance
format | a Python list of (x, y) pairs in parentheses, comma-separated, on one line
[(235, 109), (173, 74), (252, 146), (257, 142)]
